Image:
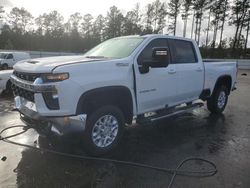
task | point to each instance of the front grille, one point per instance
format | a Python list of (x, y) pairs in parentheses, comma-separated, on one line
[(28, 95), (26, 76)]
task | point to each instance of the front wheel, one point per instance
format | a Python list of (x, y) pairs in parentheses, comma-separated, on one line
[(8, 91), (104, 129), (218, 101)]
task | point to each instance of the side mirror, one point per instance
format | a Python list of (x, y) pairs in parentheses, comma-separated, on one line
[(160, 57)]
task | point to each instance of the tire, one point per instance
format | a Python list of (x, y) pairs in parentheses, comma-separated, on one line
[(99, 138), (217, 103), (8, 90), (5, 66)]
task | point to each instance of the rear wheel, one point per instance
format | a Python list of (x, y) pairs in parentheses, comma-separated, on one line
[(218, 101), (104, 128)]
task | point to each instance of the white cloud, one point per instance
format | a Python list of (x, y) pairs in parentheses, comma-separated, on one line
[(6, 3), (94, 7)]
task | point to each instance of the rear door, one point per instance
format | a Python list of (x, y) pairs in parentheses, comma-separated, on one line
[(190, 71), (157, 88)]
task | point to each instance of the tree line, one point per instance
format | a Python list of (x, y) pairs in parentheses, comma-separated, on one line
[(205, 18)]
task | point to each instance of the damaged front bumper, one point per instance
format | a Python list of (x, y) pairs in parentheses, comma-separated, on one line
[(59, 125)]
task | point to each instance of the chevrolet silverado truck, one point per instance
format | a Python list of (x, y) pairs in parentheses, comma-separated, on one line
[(124, 79)]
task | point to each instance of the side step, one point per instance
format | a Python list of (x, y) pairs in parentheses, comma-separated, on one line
[(169, 113)]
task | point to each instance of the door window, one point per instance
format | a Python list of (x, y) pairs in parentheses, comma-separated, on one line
[(10, 56), (146, 54), (183, 51)]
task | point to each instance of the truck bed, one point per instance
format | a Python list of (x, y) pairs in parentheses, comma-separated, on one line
[(215, 68)]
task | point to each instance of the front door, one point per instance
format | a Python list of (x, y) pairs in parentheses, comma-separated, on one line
[(157, 88)]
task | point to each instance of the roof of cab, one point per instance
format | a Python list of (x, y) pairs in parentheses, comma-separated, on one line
[(166, 36), (157, 36)]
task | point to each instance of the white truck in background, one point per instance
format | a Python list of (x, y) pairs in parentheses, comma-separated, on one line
[(118, 81), (5, 83), (9, 59)]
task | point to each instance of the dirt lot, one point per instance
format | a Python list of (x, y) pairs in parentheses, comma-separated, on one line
[(224, 139)]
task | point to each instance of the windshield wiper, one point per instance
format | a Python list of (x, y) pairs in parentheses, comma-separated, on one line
[(95, 57)]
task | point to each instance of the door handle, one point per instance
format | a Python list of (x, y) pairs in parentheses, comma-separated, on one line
[(171, 71), (199, 69)]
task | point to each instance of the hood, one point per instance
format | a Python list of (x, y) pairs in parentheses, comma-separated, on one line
[(42, 65)]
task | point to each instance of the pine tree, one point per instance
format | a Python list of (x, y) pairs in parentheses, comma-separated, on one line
[(155, 17), (239, 11), (223, 19), (173, 12), (199, 6), (132, 21), (20, 19), (87, 26), (1, 12), (114, 23), (247, 32), (186, 12)]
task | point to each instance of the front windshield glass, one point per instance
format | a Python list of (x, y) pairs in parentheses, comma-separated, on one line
[(3, 55), (115, 48)]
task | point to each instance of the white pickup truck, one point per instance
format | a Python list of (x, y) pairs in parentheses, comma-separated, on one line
[(118, 81), (5, 83), (9, 59)]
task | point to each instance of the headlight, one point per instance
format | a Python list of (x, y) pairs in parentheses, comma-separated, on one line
[(57, 77)]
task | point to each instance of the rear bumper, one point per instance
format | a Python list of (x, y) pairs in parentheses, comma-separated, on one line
[(62, 125)]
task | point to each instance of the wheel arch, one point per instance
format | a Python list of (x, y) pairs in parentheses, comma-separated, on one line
[(223, 80), (5, 64), (119, 96), (8, 84)]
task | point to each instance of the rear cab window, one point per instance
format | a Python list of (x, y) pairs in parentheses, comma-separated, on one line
[(182, 51)]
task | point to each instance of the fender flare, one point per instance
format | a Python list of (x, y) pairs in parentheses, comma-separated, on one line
[(109, 95)]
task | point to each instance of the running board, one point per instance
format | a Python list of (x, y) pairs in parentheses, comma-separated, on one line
[(178, 111), (173, 112)]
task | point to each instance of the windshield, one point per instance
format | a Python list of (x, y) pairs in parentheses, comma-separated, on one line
[(3, 55), (115, 48)]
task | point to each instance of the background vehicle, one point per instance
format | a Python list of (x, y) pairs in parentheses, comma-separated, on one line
[(117, 81), (5, 83), (8, 59)]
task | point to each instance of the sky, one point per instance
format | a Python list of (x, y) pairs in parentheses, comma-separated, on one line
[(96, 7), (65, 7)]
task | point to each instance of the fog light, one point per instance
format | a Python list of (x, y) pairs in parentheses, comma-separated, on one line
[(55, 96), (51, 100)]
